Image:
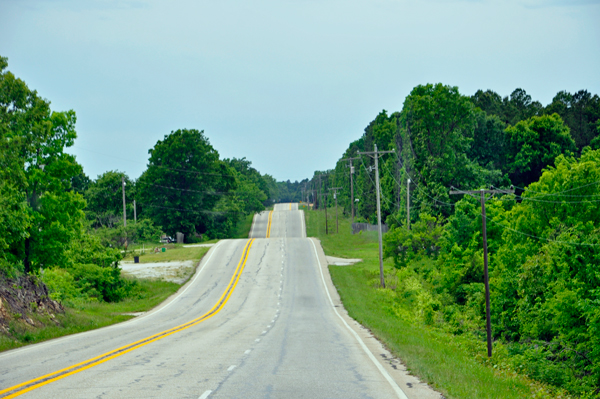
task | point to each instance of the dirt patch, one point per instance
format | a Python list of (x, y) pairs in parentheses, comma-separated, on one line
[(176, 272), (22, 298), (341, 261)]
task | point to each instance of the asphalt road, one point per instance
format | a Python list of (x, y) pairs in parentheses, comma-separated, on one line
[(263, 321)]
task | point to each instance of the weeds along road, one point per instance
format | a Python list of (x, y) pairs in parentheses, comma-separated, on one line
[(255, 321)]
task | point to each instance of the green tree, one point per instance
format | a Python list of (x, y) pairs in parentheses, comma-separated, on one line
[(436, 128), (104, 198), (490, 102), (489, 142), (184, 182), (252, 189), (34, 138), (519, 106), (580, 112), (545, 285), (533, 144)]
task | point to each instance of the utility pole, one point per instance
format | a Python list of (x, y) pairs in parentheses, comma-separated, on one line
[(124, 212), (375, 155), (482, 194), (408, 204), (134, 212), (337, 226), (124, 209), (351, 183), (326, 228)]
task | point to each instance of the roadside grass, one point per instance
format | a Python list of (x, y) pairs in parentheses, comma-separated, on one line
[(242, 230), (173, 252), (453, 365), (82, 316)]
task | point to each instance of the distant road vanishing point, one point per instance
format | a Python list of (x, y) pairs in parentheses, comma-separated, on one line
[(259, 319)]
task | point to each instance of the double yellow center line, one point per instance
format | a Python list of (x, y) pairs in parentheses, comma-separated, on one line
[(269, 224), (30, 385)]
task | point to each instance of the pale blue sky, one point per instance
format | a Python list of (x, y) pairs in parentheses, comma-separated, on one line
[(287, 84)]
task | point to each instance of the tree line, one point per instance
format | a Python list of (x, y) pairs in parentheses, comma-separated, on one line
[(544, 240), (186, 188)]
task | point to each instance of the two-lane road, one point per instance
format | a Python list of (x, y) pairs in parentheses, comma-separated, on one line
[(256, 321)]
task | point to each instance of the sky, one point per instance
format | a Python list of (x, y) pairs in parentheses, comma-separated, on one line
[(288, 84)]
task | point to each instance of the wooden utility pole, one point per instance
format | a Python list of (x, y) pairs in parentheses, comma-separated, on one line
[(482, 194), (407, 204), (337, 226), (124, 209), (375, 155), (326, 229), (134, 212), (351, 183)]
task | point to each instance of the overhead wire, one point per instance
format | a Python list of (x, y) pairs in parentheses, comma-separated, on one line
[(187, 210), (535, 199), (158, 166), (417, 184), (540, 238), (513, 198), (527, 190)]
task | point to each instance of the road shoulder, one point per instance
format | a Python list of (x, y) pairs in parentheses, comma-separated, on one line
[(412, 387)]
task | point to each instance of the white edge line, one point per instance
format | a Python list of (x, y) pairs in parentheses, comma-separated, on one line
[(147, 314), (205, 394), (214, 249), (252, 229), (383, 371), (303, 224)]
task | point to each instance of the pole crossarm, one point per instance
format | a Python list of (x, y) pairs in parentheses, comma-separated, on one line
[(349, 165), (482, 191), (374, 154)]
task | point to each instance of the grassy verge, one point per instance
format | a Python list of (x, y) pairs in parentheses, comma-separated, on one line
[(454, 365), (242, 230), (82, 315), (173, 252)]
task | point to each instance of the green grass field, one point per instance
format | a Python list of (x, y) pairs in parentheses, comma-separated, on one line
[(453, 365)]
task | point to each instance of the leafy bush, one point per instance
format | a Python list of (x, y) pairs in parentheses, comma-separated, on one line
[(422, 239), (142, 231), (87, 282), (104, 283), (62, 285)]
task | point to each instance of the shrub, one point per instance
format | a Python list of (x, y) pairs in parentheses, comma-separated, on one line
[(104, 283), (61, 285)]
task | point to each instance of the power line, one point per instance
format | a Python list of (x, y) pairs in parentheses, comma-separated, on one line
[(573, 243), (417, 185), (188, 210), (158, 166), (535, 199), (193, 191), (527, 190)]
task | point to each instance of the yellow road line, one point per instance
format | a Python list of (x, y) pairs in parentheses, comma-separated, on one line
[(269, 224), (30, 385), (290, 206)]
